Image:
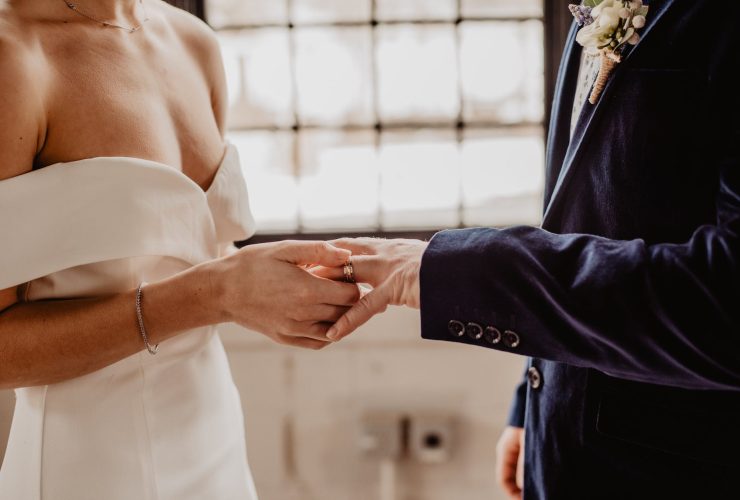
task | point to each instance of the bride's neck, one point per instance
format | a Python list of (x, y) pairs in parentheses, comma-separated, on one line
[(123, 11), (110, 9)]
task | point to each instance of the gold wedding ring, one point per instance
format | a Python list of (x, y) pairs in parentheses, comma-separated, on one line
[(349, 272)]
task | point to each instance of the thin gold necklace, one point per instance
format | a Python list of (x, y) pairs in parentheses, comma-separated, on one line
[(73, 7)]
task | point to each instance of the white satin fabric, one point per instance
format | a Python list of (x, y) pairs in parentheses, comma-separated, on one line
[(164, 427)]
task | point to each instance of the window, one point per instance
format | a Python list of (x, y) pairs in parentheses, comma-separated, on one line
[(386, 115)]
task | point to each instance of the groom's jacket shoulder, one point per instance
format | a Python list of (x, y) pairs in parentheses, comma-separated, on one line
[(635, 271)]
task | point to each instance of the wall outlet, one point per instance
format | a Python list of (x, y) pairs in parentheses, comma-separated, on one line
[(381, 436), (430, 438)]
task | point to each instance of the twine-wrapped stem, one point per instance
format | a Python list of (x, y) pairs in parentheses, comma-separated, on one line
[(608, 61)]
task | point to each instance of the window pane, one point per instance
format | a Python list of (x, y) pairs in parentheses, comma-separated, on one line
[(316, 11), (339, 180), (419, 179), (502, 72), (417, 76), (246, 12), (411, 10), (333, 68), (502, 8), (503, 176), (266, 159), (322, 178), (259, 77)]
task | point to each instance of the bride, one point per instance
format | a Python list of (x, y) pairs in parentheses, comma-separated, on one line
[(118, 205)]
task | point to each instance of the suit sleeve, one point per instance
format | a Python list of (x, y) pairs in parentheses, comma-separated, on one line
[(664, 314)]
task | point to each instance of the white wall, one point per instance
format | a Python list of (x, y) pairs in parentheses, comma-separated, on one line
[(302, 410)]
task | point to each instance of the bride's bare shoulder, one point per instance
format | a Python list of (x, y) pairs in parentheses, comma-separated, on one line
[(198, 37), (11, 24), (21, 95), (200, 41)]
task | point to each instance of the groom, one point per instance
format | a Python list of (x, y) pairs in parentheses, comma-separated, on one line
[(627, 300)]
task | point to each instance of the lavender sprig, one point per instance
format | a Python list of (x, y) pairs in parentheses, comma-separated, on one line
[(581, 13)]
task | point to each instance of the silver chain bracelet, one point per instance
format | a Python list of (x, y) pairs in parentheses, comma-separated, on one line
[(140, 318)]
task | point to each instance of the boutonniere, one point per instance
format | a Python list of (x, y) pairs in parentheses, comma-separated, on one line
[(607, 26)]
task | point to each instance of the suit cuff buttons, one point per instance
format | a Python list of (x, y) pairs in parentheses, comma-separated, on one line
[(490, 334), (456, 328)]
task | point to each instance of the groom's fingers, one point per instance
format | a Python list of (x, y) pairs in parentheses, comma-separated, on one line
[(358, 246), (369, 305), (367, 269)]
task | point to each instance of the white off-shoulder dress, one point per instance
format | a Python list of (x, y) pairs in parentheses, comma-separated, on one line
[(164, 427)]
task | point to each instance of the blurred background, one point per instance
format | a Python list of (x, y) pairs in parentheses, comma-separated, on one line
[(388, 118)]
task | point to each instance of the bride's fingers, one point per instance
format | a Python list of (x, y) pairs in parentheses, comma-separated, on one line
[(303, 342), (330, 273), (333, 292), (325, 313), (310, 329), (302, 253)]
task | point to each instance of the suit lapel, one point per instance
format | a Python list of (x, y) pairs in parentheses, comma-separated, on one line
[(590, 114)]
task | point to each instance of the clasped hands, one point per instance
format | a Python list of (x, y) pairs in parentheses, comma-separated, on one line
[(294, 292)]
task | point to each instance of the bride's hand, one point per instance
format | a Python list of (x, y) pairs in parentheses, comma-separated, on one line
[(267, 288)]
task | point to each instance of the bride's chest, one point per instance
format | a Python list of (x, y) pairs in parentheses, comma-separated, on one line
[(151, 101)]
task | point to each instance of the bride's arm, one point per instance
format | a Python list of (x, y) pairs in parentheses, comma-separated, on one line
[(260, 287), (51, 341)]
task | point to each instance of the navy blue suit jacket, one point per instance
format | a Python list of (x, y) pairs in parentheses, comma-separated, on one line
[(627, 299)]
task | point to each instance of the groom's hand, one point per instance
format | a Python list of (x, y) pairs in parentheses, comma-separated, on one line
[(391, 267), (510, 461)]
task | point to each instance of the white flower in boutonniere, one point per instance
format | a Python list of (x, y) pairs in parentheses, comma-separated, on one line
[(607, 26)]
